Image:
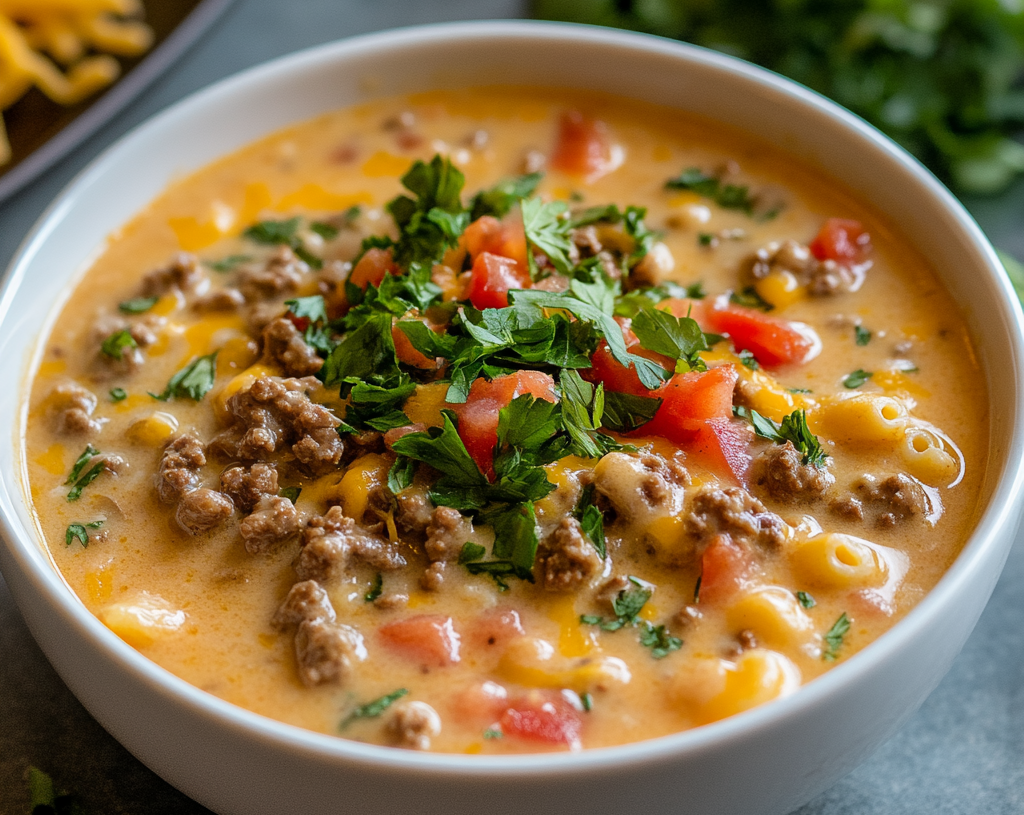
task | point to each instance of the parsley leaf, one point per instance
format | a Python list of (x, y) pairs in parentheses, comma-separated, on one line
[(805, 599), (400, 475), (624, 412), (114, 345), (591, 520), (118, 394), (193, 381), (81, 462), (373, 709), (499, 199), (659, 640), (326, 231), (861, 335), (834, 638), (91, 475), (435, 219), (310, 308), (548, 231), (677, 338), (375, 590), (444, 450), (366, 354), (749, 297), (229, 263), (582, 406), (285, 233), (627, 305), (793, 428), (749, 360), (857, 378), (291, 493), (80, 532), (727, 196), (493, 733), (137, 305)]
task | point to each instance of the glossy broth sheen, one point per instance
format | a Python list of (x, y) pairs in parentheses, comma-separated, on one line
[(202, 606)]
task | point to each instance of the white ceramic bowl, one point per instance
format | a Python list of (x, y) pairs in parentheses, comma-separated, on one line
[(765, 761)]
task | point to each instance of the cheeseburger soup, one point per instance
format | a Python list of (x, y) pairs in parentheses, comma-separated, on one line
[(505, 420)]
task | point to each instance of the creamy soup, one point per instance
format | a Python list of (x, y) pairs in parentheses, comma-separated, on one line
[(505, 420)]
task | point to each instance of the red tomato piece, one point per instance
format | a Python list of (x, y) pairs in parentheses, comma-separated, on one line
[(504, 238), (405, 351), (772, 341), (689, 401), (723, 446), (495, 627), (372, 267), (492, 277), (543, 717), (616, 376), (481, 701), (842, 240), (583, 147), (395, 433), (725, 569), (429, 639), (478, 416)]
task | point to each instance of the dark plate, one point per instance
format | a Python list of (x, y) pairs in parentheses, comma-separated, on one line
[(41, 131)]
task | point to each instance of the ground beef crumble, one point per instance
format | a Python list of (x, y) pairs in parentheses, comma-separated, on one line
[(566, 559), (273, 415), (889, 500), (178, 472), (735, 512), (284, 346), (73, 407), (274, 520), (247, 486), (332, 541), (780, 474)]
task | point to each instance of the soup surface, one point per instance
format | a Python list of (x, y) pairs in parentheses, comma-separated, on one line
[(505, 420)]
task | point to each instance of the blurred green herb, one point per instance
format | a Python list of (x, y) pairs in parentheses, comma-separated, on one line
[(941, 77)]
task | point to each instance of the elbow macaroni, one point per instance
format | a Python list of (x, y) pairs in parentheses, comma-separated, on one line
[(775, 617), (836, 560)]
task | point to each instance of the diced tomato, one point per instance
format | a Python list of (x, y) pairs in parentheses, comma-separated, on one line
[(505, 238), (725, 569), (494, 627), (429, 639), (372, 267), (772, 341), (723, 446), (616, 376), (842, 240), (300, 323), (689, 401), (583, 147), (405, 351), (543, 717), (395, 433), (491, 279), (478, 416), (481, 701)]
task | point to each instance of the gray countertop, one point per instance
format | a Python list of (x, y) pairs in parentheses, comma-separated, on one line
[(962, 752)]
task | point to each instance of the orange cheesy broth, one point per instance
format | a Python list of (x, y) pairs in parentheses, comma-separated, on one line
[(663, 635)]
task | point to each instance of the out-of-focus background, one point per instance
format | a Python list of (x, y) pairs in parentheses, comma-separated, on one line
[(941, 76)]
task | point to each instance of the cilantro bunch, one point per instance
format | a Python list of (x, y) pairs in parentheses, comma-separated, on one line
[(941, 77)]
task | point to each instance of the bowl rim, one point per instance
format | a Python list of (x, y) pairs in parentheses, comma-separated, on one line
[(1001, 512)]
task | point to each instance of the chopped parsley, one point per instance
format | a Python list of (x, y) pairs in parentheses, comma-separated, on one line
[(80, 532), (228, 264), (857, 378), (499, 199), (81, 477), (326, 231), (627, 305), (547, 230), (114, 345), (376, 589), (193, 381), (834, 638), (680, 339), (707, 239), (727, 196), (373, 709), (627, 606), (587, 701), (591, 520), (137, 305), (118, 394), (749, 297), (434, 220), (493, 733), (284, 233), (861, 335), (805, 599), (793, 428), (291, 493), (748, 360)]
